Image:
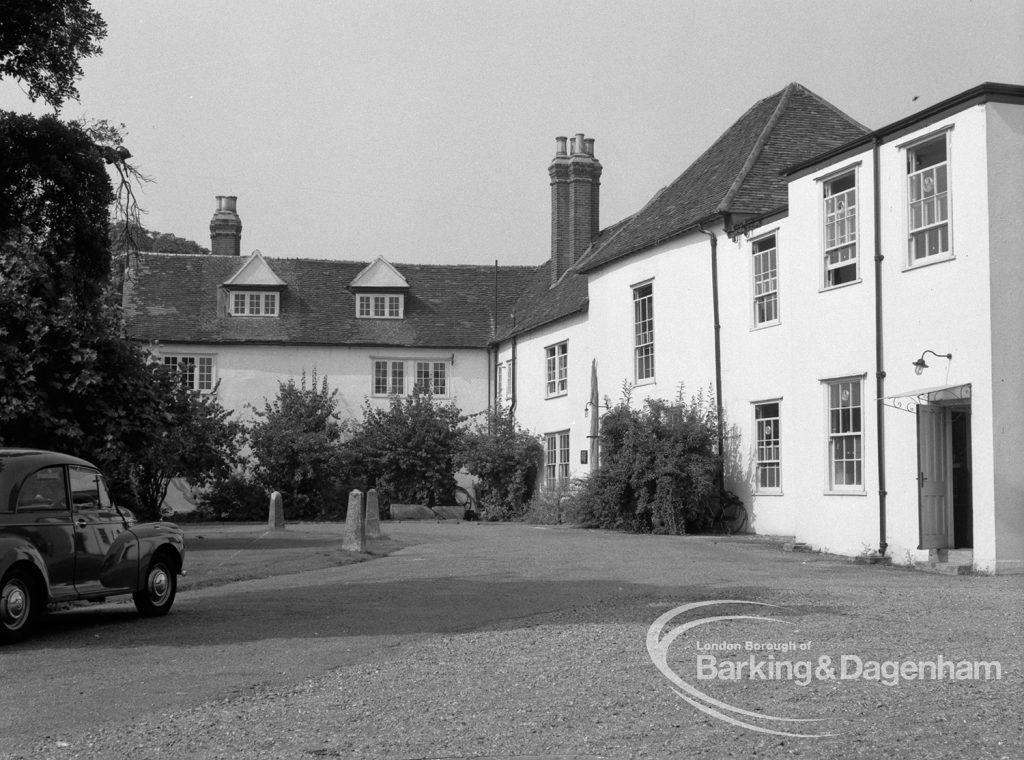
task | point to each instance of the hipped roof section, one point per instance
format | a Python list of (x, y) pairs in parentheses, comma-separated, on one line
[(738, 175), (173, 298)]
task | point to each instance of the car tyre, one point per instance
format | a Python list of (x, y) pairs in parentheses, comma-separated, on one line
[(20, 605), (157, 594)]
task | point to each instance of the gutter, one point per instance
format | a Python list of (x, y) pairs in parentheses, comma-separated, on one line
[(879, 352), (718, 353)]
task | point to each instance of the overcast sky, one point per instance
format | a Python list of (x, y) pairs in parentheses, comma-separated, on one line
[(422, 131)]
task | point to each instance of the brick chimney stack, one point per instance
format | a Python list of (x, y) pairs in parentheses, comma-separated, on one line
[(575, 201), (226, 228)]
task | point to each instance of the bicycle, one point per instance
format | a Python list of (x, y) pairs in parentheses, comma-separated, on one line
[(731, 516)]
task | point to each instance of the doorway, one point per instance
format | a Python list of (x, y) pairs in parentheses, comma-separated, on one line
[(945, 488)]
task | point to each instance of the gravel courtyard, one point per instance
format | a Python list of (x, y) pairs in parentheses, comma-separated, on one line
[(512, 641)]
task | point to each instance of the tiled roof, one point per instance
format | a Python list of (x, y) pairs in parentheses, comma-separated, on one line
[(739, 174), (540, 302), (173, 298)]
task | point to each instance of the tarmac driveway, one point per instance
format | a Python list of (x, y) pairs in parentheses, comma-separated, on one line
[(519, 641)]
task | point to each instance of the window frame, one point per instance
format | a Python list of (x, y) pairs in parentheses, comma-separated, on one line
[(773, 294), (406, 373), (909, 150), (380, 306), (643, 339), (60, 505), (556, 369), (434, 374), (853, 431), (254, 303), (848, 222), (767, 451), (557, 459), (202, 375)]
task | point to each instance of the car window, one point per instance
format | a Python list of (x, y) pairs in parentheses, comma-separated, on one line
[(43, 490), (88, 490)]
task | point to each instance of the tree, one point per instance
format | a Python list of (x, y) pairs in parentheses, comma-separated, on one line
[(42, 43), (411, 449), (296, 446), (133, 237), (507, 460), (55, 197), (195, 440), (70, 379)]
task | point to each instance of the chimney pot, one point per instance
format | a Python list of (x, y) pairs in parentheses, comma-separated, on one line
[(226, 227), (575, 192)]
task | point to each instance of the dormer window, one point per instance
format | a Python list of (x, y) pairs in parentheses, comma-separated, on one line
[(254, 290), (386, 306), (246, 303), (380, 291)]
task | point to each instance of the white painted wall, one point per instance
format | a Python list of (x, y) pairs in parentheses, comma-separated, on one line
[(250, 374), (1005, 138), (944, 307), (680, 273), (540, 414), (821, 335)]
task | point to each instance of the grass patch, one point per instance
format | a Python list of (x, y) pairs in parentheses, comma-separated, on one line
[(216, 555)]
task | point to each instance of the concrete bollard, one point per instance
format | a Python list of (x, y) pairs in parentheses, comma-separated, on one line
[(275, 520), (354, 537), (372, 514)]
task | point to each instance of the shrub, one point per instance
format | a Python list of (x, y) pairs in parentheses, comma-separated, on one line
[(297, 446), (234, 497), (410, 450), (659, 467), (506, 460)]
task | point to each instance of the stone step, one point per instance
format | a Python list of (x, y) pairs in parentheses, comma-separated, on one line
[(956, 556), (944, 568)]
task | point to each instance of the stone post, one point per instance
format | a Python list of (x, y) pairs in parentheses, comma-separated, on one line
[(372, 514), (275, 520), (354, 537)]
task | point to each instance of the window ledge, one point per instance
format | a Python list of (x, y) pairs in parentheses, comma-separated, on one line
[(830, 288), (645, 381), (766, 325), (560, 394), (931, 260), (776, 492), (845, 493)]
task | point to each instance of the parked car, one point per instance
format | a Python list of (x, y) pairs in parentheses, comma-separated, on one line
[(62, 538)]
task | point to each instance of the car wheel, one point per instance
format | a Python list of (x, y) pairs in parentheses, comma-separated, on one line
[(18, 605), (157, 595)]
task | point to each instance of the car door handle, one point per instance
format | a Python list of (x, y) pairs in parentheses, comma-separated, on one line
[(81, 522)]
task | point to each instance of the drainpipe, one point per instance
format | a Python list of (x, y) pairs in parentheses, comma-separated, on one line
[(718, 354), (512, 378), (879, 353), (492, 384)]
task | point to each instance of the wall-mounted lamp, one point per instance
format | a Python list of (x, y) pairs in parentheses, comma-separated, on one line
[(921, 365), (586, 407)]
